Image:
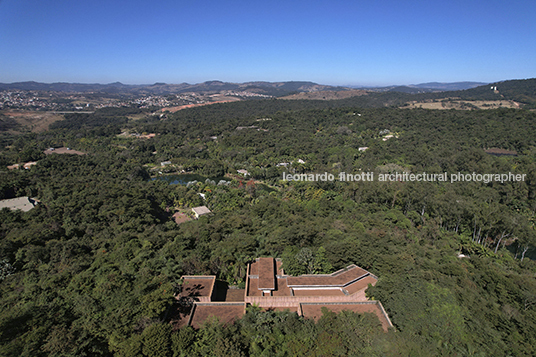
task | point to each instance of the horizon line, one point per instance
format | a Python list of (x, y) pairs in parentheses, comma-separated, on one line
[(353, 86)]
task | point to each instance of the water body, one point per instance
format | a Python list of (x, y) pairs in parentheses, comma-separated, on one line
[(183, 179)]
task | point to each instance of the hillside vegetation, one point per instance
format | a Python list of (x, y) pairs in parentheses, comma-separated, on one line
[(520, 91), (92, 270)]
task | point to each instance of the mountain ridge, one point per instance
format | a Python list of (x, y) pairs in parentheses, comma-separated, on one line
[(448, 86), (271, 88), (518, 90)]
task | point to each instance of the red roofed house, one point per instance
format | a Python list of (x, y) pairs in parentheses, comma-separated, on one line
[(267, 286)]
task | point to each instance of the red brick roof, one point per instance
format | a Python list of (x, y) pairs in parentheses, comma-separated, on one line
[(235, 295), (224, 312), (360, 284), (339, 278), (318, 292), (198, 286), (282, 308), (281, 288), (304, 294), (279, 268), (266, 269), (314, 310), (262, 277)]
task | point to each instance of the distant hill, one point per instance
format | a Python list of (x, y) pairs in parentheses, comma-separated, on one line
[(448, 86), (66, 87), (411, 90), (327, 95), (268, 88), (429, 87), (519, 90)]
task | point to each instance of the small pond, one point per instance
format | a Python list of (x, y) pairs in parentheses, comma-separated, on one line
[(183, 179)]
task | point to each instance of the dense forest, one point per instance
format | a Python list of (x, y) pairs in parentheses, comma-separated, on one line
[(93, 269)]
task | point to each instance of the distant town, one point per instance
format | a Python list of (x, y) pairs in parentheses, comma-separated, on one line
[(60, 101)]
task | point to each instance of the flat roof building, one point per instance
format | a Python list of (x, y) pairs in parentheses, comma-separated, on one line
[(268, 287), (23, 203), (200, 211)]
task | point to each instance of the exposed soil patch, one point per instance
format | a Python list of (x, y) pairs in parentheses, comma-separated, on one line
[(181, 107), (63, 150), (181, 217), (34, 121), (500, 152)]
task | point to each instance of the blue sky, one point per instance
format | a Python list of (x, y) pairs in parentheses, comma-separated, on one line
[(374, 42)]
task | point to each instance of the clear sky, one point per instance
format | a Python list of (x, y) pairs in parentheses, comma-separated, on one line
[(354, 42)]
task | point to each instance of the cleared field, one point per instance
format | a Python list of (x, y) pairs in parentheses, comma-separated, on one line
[(137, 116), (181, 107), (462, 104), (34, 121)]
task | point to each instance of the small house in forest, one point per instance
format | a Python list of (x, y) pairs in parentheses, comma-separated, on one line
[(200, 211), (20, 203)]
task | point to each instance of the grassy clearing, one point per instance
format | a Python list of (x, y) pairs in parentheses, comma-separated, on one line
[(34, 121), (461, 104)]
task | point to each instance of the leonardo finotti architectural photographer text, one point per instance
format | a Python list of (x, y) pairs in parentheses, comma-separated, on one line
[(406, 177)]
